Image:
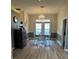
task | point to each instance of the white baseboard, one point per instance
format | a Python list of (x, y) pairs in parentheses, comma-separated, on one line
[(66, 50)]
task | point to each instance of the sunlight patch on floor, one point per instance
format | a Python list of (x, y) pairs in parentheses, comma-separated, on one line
[(42, 43)]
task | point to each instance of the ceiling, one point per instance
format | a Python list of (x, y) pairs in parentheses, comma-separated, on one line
[(33, 6)]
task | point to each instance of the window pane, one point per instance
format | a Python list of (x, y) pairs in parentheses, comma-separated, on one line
[(47, 29), (38, 28)]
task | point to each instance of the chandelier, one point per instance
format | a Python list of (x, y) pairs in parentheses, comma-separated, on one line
[(41, 16)]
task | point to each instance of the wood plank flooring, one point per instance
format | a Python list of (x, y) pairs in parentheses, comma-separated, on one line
[(38, 52)]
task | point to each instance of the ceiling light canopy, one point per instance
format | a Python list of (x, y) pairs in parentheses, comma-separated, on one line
[(39, 0), (41, 6)]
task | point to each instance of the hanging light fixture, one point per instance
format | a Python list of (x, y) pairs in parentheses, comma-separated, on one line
[(41, 16)]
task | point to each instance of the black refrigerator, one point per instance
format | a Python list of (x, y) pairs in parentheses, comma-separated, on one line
[(20, 37)]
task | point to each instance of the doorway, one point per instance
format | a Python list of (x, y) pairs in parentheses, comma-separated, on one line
[(42, 27), (65, 34)]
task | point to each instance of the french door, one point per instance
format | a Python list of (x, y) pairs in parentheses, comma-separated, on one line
[(38, 28), (43, 28), (46, 29)]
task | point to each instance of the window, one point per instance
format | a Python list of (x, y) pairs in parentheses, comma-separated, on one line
[(38, 28), (43, 20)]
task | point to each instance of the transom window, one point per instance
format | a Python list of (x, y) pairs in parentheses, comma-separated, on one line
[(43, 20)]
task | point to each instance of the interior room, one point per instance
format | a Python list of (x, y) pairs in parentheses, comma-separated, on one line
[(39, 29)]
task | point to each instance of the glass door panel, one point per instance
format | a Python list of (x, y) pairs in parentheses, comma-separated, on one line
[(38, 28), (46, 28)]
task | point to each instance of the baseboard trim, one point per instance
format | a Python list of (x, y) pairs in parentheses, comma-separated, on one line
[(66, 50)]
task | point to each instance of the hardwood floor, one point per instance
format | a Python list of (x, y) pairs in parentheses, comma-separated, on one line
[(37, 51)]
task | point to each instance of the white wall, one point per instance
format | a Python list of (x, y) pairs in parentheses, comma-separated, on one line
[(26, 22), (63, 13), (13, 24)]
